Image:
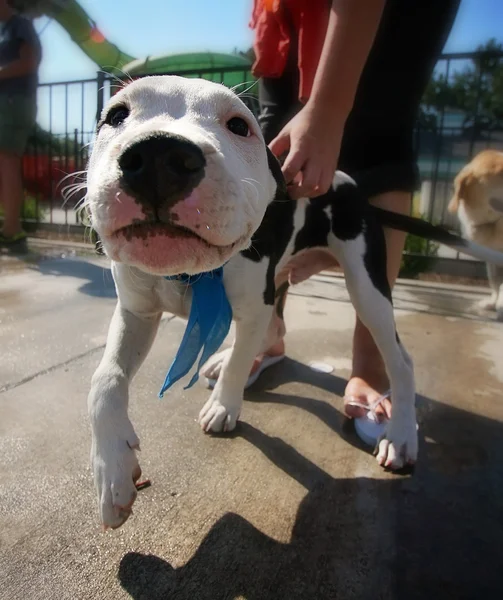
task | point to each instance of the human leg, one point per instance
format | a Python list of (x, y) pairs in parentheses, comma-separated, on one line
[(17, 117), (11, 194), (369, 379), (378, 150)]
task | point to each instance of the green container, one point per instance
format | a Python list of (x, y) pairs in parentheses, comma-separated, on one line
[(230, 69)]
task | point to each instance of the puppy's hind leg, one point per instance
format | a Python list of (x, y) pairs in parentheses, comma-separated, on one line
[(275, 334), (365, 272)]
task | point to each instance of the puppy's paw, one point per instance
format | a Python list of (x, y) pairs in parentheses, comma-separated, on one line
[(219, 414), (116, 470), (399, 445), (211, 369)]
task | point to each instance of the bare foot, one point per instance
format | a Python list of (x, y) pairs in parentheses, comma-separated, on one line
[(368, 379)]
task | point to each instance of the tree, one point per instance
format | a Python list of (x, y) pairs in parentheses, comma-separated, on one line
[(45, 142), (476, 90)]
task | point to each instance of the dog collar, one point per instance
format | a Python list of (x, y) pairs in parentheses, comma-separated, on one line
[(209, 322)]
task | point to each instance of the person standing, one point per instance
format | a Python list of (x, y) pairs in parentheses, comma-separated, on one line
[(20, 55), (340, 86)]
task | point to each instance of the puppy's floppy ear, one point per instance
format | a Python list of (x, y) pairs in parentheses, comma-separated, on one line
[(496, 204), (462, 182), (277, 173)]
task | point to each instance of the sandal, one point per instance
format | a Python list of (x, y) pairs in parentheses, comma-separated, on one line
[(372, 426), (267, 361), (14, 242)]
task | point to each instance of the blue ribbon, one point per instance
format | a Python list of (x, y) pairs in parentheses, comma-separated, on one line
[(208, 325)]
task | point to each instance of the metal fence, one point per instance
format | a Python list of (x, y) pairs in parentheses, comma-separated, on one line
[(57, 152), (446, 139)]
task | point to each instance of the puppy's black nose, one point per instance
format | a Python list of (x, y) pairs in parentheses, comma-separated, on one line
[(161, 168)]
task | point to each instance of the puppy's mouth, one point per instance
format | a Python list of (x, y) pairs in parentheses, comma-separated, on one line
[(146, 229)]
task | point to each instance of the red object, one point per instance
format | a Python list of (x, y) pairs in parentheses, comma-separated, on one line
[(141, 485), (96, 36), (275, 23), (43, 175)]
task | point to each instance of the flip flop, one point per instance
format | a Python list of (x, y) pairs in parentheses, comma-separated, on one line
[(267, 361), (368, 428)]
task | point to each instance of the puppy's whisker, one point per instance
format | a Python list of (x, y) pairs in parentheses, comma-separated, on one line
[(71, 188), (254, 188), (127, 75), (74, 174), (82, 202), (115, 77), (251, 85), (71, 191), (253, 181), (68, 195)]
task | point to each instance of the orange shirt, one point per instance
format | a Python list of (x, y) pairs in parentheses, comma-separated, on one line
[(275, 23)]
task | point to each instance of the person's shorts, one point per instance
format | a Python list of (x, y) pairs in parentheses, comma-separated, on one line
[(17, 119), (378, 148)]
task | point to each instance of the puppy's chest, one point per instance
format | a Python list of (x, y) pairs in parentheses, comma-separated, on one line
[(175, 298), (490, 235)]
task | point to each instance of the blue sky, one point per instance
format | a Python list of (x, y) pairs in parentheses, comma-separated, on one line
[(170, 26)]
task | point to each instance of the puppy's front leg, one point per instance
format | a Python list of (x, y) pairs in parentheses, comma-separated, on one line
[(499, 304), (114, 441), (495, 274), (222, 410), (495, 277)]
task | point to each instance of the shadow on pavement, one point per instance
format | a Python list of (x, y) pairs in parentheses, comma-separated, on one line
[(98, 279), (435, 534)]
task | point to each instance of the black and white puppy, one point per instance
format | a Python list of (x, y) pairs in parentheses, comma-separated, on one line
[(181, 181)]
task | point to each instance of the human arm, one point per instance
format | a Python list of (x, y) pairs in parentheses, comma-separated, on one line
[(27, 63), (313, 137)]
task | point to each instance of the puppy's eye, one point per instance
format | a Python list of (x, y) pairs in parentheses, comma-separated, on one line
[(117, 115), (238, 126)]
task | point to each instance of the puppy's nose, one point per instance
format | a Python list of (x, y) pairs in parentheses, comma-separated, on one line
[(161, 168)]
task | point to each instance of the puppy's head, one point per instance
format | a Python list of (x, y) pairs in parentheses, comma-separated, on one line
[(178, 178), (478, 188)]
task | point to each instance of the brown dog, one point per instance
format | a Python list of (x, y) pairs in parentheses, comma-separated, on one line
[(478, 202)]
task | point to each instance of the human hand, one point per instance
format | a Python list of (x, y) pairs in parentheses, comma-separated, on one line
[(312, 139)]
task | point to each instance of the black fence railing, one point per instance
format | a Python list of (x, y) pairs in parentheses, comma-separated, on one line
[(57, 153), (459, 117)]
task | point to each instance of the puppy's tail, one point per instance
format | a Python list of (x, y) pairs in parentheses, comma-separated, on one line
[(426, 230)]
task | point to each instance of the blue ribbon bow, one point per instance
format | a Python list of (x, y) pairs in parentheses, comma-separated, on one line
[(209, 323)]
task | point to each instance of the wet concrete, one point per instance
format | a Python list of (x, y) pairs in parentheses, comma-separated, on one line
[(290, 506)]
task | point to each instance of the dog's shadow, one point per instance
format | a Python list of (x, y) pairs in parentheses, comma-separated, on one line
[(439, 531), (441, 424), (98, 281), (291, 370)]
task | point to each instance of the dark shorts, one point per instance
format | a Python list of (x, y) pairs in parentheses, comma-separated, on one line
[(378, 148), (17, 119)]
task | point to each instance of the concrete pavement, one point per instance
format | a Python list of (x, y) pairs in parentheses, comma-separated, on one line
[(288, 507)]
